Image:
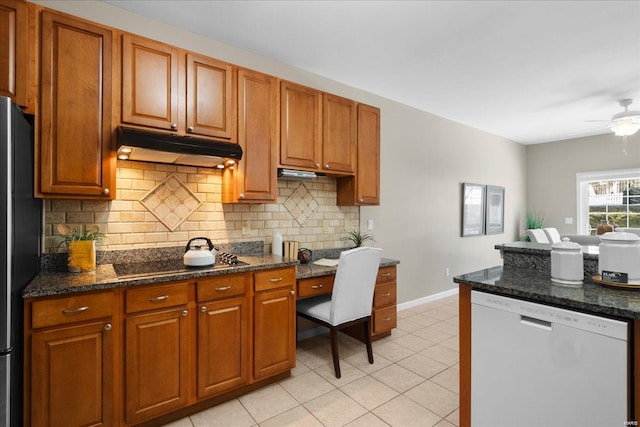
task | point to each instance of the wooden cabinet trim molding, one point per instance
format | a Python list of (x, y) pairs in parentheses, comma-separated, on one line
[(14, 51)]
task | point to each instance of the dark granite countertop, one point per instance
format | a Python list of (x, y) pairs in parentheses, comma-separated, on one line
[(312, 270), (57, 283), (534, 285), (589, 252)]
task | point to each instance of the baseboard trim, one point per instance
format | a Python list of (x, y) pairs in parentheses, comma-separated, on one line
[(428, 298)]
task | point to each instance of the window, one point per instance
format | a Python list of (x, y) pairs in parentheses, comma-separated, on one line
[(608, 195)]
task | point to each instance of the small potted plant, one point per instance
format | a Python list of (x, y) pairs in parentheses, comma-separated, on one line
[(358, 238), (81, 246)]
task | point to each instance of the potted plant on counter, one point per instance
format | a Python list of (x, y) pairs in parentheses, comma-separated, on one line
[(81, 246), (358, 238)]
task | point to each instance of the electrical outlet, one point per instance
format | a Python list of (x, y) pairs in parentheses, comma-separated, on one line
[(246, 227), (325, 226), (568, 220), (370, 225), (347, 224), (446, 271)]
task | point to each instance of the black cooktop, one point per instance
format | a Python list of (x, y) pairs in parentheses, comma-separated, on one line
[(152, 268)]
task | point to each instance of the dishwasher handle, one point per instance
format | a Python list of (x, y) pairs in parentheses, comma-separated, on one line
[(536, 323)]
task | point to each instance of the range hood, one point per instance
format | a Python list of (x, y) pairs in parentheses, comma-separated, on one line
[(158, 147), (296, 175)]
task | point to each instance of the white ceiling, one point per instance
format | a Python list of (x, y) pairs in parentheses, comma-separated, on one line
[(530, 71)]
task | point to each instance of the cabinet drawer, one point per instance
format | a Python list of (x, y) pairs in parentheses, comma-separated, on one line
[(276, 278), (222, 287), (77, 308), (152, 297), (384, 319), (315, 286), (384, 295), (386, 274)]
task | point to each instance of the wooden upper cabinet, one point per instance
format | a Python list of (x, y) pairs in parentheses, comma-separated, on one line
[(75, 156), (339, 120), (14, 42), (254, 179), (364, 188), (301, 127), (210, 98), (149, 83)]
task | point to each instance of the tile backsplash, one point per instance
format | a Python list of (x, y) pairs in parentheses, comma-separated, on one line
[(159, 205)]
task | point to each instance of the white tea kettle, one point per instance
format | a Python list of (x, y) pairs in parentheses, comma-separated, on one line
[(196, 255)]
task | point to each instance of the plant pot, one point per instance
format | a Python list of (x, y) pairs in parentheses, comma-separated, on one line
[(82, 256)]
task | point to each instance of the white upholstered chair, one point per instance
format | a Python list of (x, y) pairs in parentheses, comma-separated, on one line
[(552, 234), (537, 235), (350, 301)]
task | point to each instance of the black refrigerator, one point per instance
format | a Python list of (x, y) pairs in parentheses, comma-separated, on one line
[(20, 236)]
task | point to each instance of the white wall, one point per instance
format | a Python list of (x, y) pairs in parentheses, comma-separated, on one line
[(424, 161), (552, 169)]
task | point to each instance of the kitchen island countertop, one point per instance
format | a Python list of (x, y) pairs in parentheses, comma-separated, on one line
[(537, 286)]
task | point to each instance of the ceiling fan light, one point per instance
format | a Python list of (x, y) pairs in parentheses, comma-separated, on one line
[(625, 128)]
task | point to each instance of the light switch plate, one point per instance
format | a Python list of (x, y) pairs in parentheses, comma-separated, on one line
[(568, 220)]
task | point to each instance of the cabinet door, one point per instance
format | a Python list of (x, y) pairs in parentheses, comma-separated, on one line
[(274, 332), (210, 97), (338, 134), (14, 51), (364, 188), (223, 346), (254, 179), (75, 155), (72, 376), (301, 131), (149, 83), (156, 363)]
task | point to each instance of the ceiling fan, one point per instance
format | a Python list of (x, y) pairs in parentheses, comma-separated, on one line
[(625, 123)]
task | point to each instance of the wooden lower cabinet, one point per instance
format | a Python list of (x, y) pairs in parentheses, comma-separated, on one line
[(156, 363), (149, 354), (223, 346), (274, 347)]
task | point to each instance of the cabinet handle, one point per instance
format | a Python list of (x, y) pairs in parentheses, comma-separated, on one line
[(276, 280), (223, 288), (326, 166), (317, 286), (292, 292), (388, 294), (386, 274), (107, 327), (190, 129), (75, 310), (174, 126), (386, 319), (159, 298), (106, 191), (184, 312), (203, 309)]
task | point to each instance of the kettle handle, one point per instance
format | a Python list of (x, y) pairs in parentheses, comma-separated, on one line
[(199, 238)]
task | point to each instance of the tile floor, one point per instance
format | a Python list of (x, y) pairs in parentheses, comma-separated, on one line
[(413, 382)]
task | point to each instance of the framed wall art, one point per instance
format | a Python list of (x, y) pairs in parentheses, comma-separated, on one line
[(473, 209), (495, 210)]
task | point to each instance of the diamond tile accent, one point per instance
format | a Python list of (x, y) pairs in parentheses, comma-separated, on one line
[(171, 202), (301, 204)]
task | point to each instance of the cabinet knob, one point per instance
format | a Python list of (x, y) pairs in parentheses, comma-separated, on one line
[(106, 191), (241, 196), (361, 200), (203, 309), (292, 292), (317, 165), (190, 129), (184, 312), (326, 165), (174, 126), (107, 327)]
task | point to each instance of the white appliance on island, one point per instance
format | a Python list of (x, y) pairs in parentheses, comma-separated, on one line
[(537, 365)]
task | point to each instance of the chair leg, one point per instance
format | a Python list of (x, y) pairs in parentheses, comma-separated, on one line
[(367, 340), (333, 333)]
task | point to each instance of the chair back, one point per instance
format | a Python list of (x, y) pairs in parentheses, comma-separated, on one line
[(537, 235), (353, 287), (552, 234)]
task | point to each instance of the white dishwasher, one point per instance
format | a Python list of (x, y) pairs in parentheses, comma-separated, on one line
[(534, 365)]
